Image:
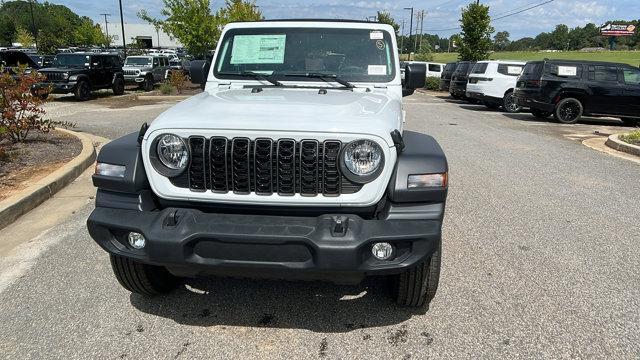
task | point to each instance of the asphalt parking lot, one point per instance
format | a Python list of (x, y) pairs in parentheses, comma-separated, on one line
[(540, 260)]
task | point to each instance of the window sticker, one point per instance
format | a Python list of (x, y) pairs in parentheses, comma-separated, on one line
[(258, 49), (376, 35), (567, 71), (380, 44), (514, 70), (377, 70)]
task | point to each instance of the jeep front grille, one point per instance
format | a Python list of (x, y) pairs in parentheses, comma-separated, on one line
[(265, 166), (53, 76), (131, 72)]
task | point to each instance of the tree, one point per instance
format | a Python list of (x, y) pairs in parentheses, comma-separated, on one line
[(384, 17), (7, 30), (90, 34), (24, 37), (476, 33), (501, 40), (560, 37), (424, 52), (191, 21)]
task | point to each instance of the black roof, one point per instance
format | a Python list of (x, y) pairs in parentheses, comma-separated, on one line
[(590, 62)]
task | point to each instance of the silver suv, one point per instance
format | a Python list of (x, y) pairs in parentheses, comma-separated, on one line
[(146, 71)]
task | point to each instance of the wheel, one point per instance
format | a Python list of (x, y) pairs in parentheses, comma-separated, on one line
[(540, 114), (417, 286), (509, 103), (147, 85), (118, 86), (490, 105), (141, 278), (83, 91), (568, 111), (630, 122)]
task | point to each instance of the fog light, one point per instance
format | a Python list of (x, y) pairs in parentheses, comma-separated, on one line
[(136, 240), (382, 250)]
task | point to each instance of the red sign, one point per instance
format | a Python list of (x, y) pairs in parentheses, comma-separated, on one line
[(618, 30)]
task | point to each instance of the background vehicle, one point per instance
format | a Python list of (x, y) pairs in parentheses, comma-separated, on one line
[(445, 77), (492, 83), (570, 89), (146, 71), (82, 73), (292, 163), (180, 65), (10, 60), (459, 78), (433, 69), (42, 60)]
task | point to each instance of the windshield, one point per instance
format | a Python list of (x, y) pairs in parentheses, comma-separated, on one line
[(137, 61), (352, 54), (71, 60), (462, 68)]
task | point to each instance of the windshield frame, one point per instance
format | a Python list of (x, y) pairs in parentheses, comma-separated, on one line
[(225, 41)]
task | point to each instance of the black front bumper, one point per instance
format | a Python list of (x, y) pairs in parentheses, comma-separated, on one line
[(58, 87), (458, 88), (190, 243)]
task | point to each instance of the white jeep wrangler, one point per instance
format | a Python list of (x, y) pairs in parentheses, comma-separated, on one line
[(292, 163)]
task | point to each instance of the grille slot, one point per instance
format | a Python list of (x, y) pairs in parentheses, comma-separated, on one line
[(218, 164), (53, 76), (240, 172), (265, 166), (197, 174)]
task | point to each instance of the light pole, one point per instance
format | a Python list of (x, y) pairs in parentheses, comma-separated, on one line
[(124, 41), (410, 27), (402, 38), (33, 26), (106, 27)]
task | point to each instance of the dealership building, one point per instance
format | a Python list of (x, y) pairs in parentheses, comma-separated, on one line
[(145, 33)]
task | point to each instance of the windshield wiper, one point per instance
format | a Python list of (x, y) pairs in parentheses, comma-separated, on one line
[(254, 75), (325, 77)]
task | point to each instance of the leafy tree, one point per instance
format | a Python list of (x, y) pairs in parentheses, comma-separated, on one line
[(49, 43), (89, 34), (191, 21), (384, 17), (424, 53), (7, 30), (476, 33), (560, 37), (24, 37), (501, 40)]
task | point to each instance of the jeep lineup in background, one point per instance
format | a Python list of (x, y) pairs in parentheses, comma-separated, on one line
[(82, 73), (459, 78), (445, 77), (146, 71), (493, 82), (570, 89), (293, 163)]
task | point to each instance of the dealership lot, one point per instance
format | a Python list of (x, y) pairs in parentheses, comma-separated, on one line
[(540, 260)]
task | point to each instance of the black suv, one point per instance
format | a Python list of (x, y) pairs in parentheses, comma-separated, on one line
[(81, 73), (569, 89), (459, 78), (10, 60), (445, 77)]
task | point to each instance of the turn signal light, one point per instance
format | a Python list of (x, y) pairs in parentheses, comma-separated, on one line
[(427, 181)]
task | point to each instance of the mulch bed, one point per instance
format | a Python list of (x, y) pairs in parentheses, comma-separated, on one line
[(25, 163)]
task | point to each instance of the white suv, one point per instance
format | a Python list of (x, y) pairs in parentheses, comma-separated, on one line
[(493, 82)]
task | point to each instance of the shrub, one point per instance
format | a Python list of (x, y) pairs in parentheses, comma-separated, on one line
[(432, 83), (631, 138), (178, 80), (21, 108), (166, 88)]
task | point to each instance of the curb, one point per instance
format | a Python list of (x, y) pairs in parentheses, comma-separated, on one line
[(27, 199), (617, 144), (163, 97)]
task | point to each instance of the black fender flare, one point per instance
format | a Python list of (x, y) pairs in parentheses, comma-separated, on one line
[(123, 151)]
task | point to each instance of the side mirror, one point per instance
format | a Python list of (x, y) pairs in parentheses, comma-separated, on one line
[(199, 71), (415, 76)]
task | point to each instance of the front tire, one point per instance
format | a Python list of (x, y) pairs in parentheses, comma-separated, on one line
[(147, 85), (509, 103), (118, 86), (141, 278), (83, 91), (417, 286), (568, 111)]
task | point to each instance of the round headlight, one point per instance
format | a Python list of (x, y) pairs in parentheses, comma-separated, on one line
[(363, 158), (172, 152)]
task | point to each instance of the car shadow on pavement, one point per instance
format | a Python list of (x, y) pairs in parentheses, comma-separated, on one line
[(584, 121), (314, 306)]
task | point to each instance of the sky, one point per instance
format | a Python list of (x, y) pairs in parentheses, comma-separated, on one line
[(440, 14)]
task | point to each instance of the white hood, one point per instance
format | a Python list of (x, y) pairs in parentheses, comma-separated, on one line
[(287, 110)]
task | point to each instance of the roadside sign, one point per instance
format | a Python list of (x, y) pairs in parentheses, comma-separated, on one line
[(618, 30)]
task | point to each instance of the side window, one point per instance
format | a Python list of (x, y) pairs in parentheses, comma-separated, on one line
[(434, 67), (510, 69), (603, 73), (569, 71), (479, 68), (631, 76)]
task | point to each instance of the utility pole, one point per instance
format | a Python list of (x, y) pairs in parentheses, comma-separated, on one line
[(33, 25), (106, 28), (402, 38), (415, 41), (124, 41), (410, 27), (421, 27)]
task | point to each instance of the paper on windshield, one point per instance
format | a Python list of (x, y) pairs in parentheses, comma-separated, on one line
[(567, 71), (258, 49), (377, 70)]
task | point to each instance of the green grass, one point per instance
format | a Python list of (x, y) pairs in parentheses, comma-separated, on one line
[(628, 57), (631, 138)]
